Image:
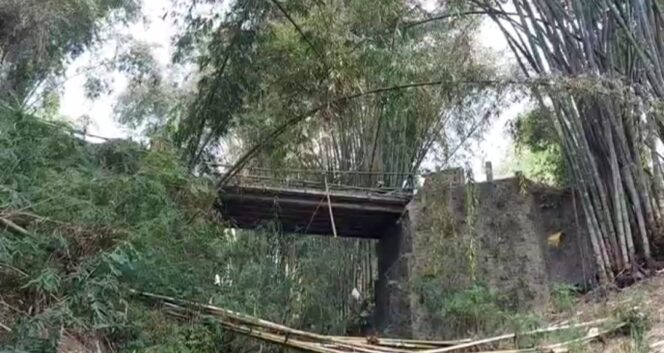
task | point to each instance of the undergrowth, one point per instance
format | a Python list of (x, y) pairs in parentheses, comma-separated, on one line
[(81, 223), (563, 296)]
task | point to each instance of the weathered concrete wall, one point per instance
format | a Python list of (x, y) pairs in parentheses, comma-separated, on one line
[(495, 232), (572, 261)]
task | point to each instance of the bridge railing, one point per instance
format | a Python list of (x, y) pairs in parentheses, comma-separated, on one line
[(382, 182)]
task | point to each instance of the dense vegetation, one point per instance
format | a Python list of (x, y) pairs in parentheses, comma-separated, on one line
[(37, 38), (600, 68), (299, 83), (82, 223), (334, 85), (538, 149)]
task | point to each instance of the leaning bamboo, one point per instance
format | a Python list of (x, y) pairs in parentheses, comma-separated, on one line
[(605, 123)]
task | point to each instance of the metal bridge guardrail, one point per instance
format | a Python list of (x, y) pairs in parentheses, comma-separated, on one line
[(377, 182)]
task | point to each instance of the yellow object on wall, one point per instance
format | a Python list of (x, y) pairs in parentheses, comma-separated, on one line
[(555, 240)]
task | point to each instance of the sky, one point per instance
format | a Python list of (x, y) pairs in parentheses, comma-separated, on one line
[(157, 31), (154, 30), (496, 145)]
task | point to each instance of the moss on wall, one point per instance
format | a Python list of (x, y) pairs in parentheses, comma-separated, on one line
[(479, 252)]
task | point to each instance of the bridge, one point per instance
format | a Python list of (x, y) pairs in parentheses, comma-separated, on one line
[(339, 203), (351, 204)]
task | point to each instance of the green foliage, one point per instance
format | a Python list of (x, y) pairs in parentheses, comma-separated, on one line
[(158, 334), (539, 154), (638, 329), (154, 106), (66, 271), (476, 307), (101, 218), (270, 65), (155, 97), (523, 322), (475, 310), (563, 296), (37, 38), (226, 56), (637, 326)]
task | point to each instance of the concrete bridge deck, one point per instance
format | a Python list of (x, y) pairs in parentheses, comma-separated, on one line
[(356, 213)]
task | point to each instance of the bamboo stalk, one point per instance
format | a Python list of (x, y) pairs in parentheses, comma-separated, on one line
[(617, 200), (510, 336), (14, 227), (5, 327), (397, 342), (559, 347), (242, 318), (619, 44), (282, 340), (311, 342)]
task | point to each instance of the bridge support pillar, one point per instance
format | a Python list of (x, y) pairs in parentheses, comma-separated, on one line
[(393, 314)]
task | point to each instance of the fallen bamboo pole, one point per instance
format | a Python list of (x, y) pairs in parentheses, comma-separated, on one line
[(14, 227), (388, 344), (231, 314), (398, 341), (514, 335), (317, 343), (260, 323), (560, 347), (283, 340), (286, 340)]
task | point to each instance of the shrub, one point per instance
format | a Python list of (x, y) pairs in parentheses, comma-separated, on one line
[(94, 220)]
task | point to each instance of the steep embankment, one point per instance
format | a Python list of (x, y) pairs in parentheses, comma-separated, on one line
[(81, 224), (646, 296)]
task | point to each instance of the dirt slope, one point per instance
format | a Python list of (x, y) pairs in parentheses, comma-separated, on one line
[(647, 296)]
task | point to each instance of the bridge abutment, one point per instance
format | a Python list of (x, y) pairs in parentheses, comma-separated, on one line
[(449, 235), (393, 312)]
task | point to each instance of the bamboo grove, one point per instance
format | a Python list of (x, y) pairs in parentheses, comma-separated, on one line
[(608, 116), (311, 93)]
